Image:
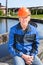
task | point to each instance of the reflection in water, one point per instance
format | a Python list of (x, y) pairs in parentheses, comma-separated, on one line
[(2, 26)]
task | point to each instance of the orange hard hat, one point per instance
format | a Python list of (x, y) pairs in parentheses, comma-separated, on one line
[(23, 12)]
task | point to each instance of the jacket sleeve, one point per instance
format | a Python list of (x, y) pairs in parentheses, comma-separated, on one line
[(35, 46), (11, 42)]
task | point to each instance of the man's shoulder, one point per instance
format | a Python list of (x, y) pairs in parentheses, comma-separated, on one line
[(33, 27), (15, 26)]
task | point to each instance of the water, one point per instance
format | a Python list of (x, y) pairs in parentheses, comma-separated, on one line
[(40, 29), (11, 22)]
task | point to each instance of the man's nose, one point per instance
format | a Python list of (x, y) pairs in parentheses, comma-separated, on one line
[(24, 19)]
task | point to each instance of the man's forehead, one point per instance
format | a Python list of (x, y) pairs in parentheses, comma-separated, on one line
[(24, 17)]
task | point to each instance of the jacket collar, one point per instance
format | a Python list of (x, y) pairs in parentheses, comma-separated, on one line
[(27, 29)]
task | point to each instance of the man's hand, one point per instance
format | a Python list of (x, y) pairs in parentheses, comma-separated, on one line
[(28, 59)]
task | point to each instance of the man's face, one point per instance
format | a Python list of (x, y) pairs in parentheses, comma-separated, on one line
[(24, 20)]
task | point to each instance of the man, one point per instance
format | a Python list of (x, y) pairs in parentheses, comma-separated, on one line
[(23, 40)]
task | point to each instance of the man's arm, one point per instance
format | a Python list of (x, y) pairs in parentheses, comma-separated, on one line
[(35, 46), (11, 42)]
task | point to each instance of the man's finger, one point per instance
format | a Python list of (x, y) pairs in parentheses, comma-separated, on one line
[(28, 62)]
